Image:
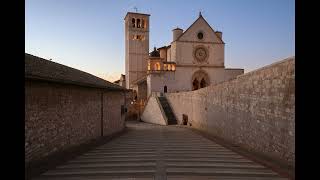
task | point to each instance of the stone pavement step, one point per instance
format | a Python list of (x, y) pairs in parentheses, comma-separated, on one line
[(150, 151)]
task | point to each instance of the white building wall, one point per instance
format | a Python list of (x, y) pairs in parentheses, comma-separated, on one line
[(185, 52), (169, 54), (181, 79)]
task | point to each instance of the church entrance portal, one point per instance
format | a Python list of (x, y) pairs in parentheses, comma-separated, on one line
[(200, 79), (165, 89)]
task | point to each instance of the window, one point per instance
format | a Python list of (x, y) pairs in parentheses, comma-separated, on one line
[(133, 22), (173, 67), (200, 35), (157, 66), (142, 23), (165, 67), (138, 23), (138, 37), (169, 67)]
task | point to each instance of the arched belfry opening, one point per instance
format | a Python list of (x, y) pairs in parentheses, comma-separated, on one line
[(200, 79), (133, 22), (138, 23)]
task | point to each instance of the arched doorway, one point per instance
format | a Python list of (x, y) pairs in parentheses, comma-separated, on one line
[(200, 79), (165, 89), (195, 85), (203, 83)]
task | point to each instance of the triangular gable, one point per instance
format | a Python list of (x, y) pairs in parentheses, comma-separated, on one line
[(200, 24)]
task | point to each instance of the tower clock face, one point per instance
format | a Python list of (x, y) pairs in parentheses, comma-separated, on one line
[(200, 54)]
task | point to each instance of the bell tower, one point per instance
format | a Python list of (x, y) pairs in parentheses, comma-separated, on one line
[(137, 46)]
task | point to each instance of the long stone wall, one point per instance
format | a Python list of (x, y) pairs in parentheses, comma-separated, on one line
[(256, 110), (59, 116)]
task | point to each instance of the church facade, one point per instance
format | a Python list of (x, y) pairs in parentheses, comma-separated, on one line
[(193, 60)]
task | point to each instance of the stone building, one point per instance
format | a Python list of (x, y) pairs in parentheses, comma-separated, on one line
[(66, 107), (193, 60), (122, 81)]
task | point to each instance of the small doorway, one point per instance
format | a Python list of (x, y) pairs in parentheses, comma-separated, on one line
[(165, 89)]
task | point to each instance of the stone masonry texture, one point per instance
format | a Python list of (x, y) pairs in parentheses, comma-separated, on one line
[(161, 152), (59, 116), (255, 110)]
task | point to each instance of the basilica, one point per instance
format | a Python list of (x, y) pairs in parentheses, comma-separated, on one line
[(193, 60)]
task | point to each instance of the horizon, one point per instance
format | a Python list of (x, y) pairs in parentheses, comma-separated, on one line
[(256, 34)]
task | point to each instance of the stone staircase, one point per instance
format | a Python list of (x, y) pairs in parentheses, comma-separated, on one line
[(167, 110), (149, 151)]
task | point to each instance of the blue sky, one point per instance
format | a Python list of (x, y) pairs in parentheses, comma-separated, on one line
[(89, 34)]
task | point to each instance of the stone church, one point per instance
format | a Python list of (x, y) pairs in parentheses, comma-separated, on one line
[(194, 59)]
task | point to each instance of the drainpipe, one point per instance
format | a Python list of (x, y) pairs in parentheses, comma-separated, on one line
[(101, 113)]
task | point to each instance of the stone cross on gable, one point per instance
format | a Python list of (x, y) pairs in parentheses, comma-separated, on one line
[(135, 8)]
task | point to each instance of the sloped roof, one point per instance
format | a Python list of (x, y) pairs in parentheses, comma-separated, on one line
[(41, 69), (200, 17), (136, 13), (140, 80)]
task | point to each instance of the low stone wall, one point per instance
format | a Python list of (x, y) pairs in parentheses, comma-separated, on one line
[(59, 116), (256, 110), (153, 113)]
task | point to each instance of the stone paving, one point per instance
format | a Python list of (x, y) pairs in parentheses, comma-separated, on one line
[(149, 151)]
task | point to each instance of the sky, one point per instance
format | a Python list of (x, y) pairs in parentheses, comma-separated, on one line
[(89, 34)]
